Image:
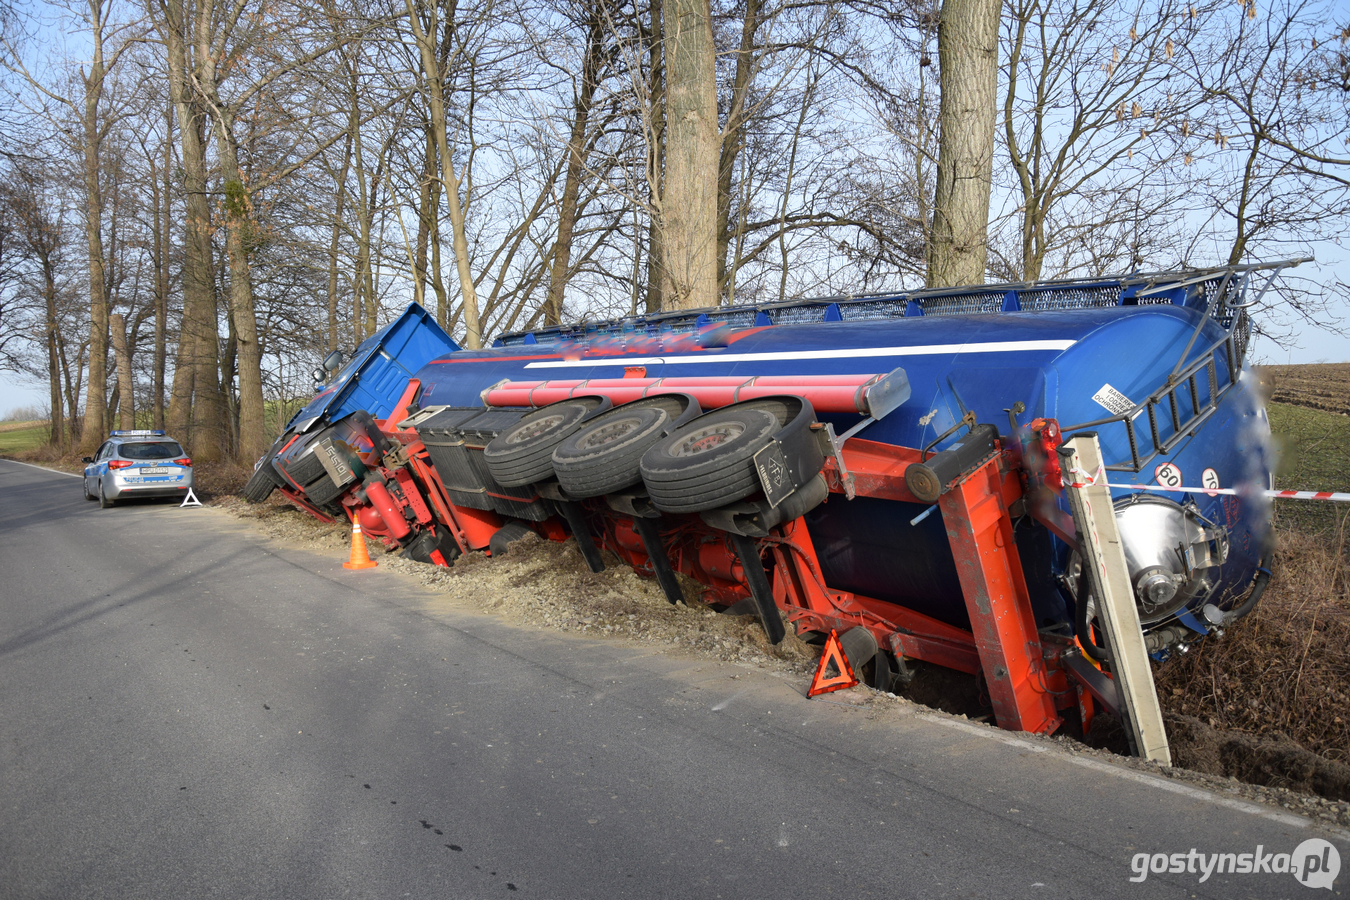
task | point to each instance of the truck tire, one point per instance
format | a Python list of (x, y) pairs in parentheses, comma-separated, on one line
[(324, 490), (523, 453), (430, 540), (306, 468), (605, 454), (261, 484), (505, 536), (709, 462)]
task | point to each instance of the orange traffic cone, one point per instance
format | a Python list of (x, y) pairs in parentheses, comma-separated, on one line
[(360, 556)]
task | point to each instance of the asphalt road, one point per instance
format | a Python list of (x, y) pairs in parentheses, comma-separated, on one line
[(189, 710)]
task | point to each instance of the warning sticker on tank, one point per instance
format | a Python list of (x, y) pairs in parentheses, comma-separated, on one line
[(1113, 401), (1210, 479)]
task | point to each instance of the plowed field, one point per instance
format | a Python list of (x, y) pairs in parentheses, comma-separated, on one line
[(1319, 386)]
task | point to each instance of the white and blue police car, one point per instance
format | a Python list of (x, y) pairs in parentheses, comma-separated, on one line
[(137, 464)]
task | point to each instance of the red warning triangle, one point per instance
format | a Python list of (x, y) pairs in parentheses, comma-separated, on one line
[(832, 660)]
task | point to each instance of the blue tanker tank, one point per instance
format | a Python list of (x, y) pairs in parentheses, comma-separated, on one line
[(1153, 364)]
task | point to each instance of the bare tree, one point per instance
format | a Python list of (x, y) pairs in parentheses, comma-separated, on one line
[(87, 109), (32, 250), (688, 207), (1093, 110), (425, 33), (197, 409), (968, 67), (594, 60)]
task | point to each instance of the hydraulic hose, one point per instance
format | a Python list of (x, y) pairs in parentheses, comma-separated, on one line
[(1090, 648), (1258, 588)]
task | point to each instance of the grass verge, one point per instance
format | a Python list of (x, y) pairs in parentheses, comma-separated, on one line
[(22, 437)]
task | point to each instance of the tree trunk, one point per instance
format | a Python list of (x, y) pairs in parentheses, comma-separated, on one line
[(52, 330), (656, 160), (576, 146), (428, 205), (437, 279), (334, 243), (126, 405), (733, 136), (473, 336), (95, 400), (689, 206), (239, 236), (163, 227), (70, 381), (968, 74), (196, 414)]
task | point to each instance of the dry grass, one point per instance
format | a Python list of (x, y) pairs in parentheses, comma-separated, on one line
[(1282, 674), (1286, 667)]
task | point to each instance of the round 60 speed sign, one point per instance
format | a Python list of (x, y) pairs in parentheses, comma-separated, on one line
[(1168, 475)]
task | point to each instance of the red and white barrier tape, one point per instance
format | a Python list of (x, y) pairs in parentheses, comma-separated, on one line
[(1279, 495), (1082, 479)]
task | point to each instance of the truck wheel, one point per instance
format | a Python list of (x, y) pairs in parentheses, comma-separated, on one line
[(604, 454), (709, 462), (503, 537), (324, 490), (260, 485), (429, 541), (523, 453)]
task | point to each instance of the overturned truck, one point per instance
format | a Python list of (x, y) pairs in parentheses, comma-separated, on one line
[(885, 467)]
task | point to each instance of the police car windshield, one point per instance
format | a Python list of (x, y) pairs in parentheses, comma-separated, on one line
[(150, 450)]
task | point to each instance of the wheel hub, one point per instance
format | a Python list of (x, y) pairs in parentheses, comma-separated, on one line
[(609, 433), (536, 428), (702, 440)]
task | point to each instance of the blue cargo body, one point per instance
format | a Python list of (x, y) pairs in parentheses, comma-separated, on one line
[(379, 370)]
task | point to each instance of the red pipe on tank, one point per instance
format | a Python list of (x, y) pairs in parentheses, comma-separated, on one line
[(827, 393)]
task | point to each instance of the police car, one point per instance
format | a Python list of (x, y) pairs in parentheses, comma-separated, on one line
[(137, 464)]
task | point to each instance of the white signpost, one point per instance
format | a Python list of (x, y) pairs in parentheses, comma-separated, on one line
[(1103, 558)]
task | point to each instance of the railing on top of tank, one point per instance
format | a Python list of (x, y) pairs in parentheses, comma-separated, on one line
[(1224, 306), (1198, 412), (1187, 288)]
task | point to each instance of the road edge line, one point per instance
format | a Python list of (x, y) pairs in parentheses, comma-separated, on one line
[(1291, 819), (43, 468)]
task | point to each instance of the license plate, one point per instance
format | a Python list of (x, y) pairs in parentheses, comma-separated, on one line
[(155, 470)]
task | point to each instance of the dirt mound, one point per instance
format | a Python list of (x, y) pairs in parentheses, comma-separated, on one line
[(1271, 760), (548, 584)]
